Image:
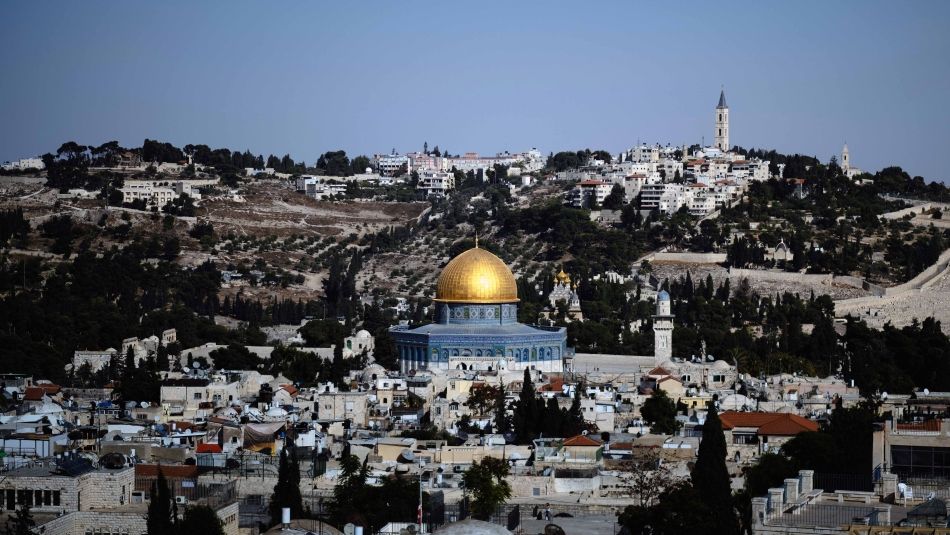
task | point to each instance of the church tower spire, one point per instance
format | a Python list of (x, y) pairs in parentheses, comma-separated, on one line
[(722, 124), (846, 160)]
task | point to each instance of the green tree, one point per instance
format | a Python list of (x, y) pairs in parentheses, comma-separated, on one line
[(287, 489), (502, 421), (160, 520), (614, 201), (201, 519), (660, 412), (710, 477), (526, 411), (485, 484)]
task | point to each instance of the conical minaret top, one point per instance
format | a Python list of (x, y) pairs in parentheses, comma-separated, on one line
[(722, 100)]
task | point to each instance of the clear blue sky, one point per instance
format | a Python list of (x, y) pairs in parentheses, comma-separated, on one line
[(306, 77)]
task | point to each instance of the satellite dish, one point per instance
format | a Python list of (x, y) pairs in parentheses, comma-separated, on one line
[(186, 369), (927, 391), (349, 529), (144, 404), (197, 365), (883, 395)]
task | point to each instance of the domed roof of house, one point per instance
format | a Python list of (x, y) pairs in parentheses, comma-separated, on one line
[(476, 276), (470, 526), (663, 296), (363, 333), (370, 371)]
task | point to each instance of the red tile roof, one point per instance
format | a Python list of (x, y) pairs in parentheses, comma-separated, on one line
[(593, 183), (291, 389), (768, 423), (659, 370), (555, 385), (33, 393), (581, 440), (208, 447)]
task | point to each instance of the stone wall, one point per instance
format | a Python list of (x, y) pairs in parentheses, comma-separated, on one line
[(105, 522), (66, 488), (919, 209), (568, 485), (925, 276), (104, 489), (229, 518), (526, 485), (780, 276), (691, 258)]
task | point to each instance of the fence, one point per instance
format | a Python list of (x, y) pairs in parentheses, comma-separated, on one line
[(833, 482), (924, 487), (213, 494), (253, 509), (830, 516)]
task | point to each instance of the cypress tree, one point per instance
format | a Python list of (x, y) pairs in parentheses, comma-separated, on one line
[(502, 423), (159, 521), (526, 411), (287, 489), (710, 477)]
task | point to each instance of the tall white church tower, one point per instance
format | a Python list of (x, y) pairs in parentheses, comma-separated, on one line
[(722, 124), (663, 328), (846, 161)]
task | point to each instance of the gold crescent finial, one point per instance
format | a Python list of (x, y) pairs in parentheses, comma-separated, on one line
[(476, 239)]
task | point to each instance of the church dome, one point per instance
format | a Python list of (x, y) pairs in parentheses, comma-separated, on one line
[(562, 277), (476, 276)]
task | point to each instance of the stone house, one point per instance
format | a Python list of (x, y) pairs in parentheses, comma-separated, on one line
[(71, 486), (749, 434)]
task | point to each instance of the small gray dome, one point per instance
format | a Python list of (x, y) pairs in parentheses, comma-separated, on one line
[(662, 296)]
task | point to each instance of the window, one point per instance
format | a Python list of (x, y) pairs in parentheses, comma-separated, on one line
[(197, 395), (11, 499), (745, 438), (47, 497), (719, 378), (55, 497)]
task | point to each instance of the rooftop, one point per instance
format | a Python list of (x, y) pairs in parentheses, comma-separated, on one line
[(768, 423)]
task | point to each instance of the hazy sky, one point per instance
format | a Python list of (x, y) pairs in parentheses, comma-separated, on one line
[(307, 77)]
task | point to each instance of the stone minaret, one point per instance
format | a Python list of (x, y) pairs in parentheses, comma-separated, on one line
[(845, 160), (663, 328), (722, 124)]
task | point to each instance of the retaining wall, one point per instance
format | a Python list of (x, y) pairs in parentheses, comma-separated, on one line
[(692, 258)]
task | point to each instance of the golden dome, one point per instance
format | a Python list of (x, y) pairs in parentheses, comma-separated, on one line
[(476, 276), (562, 277)]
